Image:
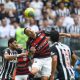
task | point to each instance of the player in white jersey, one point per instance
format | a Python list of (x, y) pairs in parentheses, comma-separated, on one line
[(61, 59)]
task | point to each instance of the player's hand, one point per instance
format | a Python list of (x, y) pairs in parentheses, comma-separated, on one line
[(52, 77), (65, 34), (24, 54), (32, 49)]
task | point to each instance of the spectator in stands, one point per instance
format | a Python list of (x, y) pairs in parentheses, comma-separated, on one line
[(2, 11), (33, 25), (11, 9), (75, 28), (62, 11), (2, 1), (66, 2), (45, 25), (26, 22), (4, 29), (44, 1), (59, 25), (37, 5), (45, 15), (14, 26), (27, 4), (50, 12), (68, 21), (10, 6), (76, 8)]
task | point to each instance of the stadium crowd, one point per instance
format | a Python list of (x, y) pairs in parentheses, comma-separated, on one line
[(61, 15)]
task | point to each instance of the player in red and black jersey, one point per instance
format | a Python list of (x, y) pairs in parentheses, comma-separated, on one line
[(38, 44), (22, 68)]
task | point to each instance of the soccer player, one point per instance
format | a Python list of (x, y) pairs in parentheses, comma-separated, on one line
[(38, 45), (9, 57), (22, 68), (61, 59)]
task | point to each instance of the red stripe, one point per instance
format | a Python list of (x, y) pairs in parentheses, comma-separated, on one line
[(44, 47), (46, 52), (37, 40), (42, 44), (21, 59)]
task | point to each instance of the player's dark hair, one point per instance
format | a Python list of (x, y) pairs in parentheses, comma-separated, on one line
[(54, 36), (25, 30), (11, 40)]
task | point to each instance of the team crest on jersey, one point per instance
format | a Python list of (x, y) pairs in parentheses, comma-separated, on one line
[(24, 59)]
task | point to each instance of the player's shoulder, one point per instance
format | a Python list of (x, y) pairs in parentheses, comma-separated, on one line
[(7, 49), (64, 45), (53, 46)]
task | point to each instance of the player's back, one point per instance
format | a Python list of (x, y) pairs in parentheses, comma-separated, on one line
[(41, 45), (64, 67)]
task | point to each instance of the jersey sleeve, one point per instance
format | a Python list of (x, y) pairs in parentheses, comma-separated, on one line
[(6, 51), (54, 51)]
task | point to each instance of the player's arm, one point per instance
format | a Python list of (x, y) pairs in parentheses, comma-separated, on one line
[(65, 34), (74, 58), (54, 65), (54, 62), (9, 57), (70, 35), (13, 57), (75, 35)]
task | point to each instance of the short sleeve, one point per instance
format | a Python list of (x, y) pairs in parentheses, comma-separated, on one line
[(6, 51), (54, 51)]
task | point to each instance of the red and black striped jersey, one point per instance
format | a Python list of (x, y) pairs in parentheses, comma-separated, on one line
[(41, 45), (22, 65)]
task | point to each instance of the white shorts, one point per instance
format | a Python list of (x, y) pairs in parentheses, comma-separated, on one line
[(43, 65), (21, 77)]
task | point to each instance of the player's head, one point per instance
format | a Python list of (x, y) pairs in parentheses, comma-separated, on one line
[(12, 43), (29, 32), (54, 36)]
